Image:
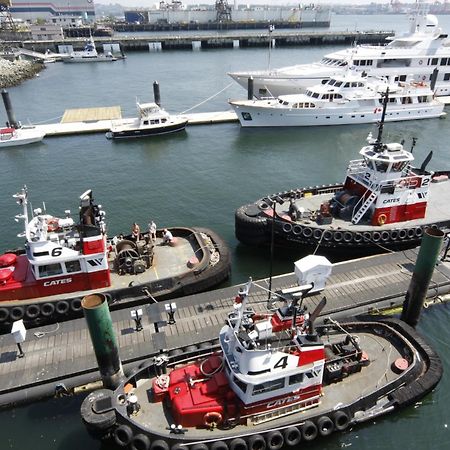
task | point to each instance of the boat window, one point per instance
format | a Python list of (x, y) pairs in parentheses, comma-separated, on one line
[(392, 100), (406, 100), (73, 266), (145, 122), (422, 98), (445, 61), (315, 95), (240, 384), (398, 166), (297, 105), (446, 76), (346, 85), (246, 116), (434, 61), (325, 96), (280, 101), (285, 103), (163, 120), (332, 82), (154, 121), (381, 166), (268, 386), (295, 379), (49, 270), (338, 83), (360, 84)]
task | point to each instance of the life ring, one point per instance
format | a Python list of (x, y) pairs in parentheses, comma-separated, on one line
[(52, 225), (212, 419), (382, 219)]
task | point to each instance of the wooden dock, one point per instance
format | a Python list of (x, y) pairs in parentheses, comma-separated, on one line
[(60, 357)]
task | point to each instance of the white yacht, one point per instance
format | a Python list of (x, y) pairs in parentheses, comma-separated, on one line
[(416, 53), (89, 54), (152, 120), (350, 98)]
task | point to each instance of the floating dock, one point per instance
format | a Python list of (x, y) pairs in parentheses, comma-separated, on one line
[(60, 357)]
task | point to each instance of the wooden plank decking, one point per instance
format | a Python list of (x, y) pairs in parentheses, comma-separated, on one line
[(63, 352)]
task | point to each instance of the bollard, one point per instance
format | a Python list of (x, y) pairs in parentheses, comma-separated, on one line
[(156, 93), (250, 88), (12, 122), (423, 271), (98, 318)]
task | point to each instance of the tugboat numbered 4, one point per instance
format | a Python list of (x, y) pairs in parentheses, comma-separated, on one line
[(63, 261), (276, 379), (384, 203)]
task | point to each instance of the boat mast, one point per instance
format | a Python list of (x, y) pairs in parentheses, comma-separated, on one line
[(378, 143), (22, 199)]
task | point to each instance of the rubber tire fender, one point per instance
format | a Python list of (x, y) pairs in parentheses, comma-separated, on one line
[(256, 442), (341, 420), (140, 442), (123, 435), (97, 422), (309, 431), (32, 312), (325, 426), (275, 440), (4, 314), (47, 309), (292, 436), (159, 444), (16, 313), (62, 307), (238, 444), (75, 305), (218, 445)]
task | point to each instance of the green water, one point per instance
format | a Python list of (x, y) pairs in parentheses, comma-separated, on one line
[(195, 178)]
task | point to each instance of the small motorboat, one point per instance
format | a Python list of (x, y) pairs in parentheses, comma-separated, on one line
[(89, 54), (275, 378), (23, 135), (64, 260), (350, 98), (152, 120)]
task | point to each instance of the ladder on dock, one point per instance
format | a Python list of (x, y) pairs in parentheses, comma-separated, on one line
[(364, 207)]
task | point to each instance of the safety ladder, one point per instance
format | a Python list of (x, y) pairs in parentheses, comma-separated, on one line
[(364, 207), (265, 417)]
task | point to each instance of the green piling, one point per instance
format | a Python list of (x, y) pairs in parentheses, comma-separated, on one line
[(423, 271), (98, 318)]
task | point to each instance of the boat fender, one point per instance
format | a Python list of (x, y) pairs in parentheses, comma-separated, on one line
[(307, 232), (367, 236), (341, 420), (16, 313), (4, 314), (62, 307), (411, 233), (419, 232), (97, 423), (140, 442), (212, 419), (382, 219), (175, 352), (287, 227), (297, 229), (75, 305), (327, 235), (123, 435), (32, 312), (348, 236), (325, 426), (47, 309), (357, 237), (402, 234), (309, 431), (159, 444), (255, 442), (337, 236), (220, 445), (292, 436), (376, 236), (393, 235), (317, 234), (275, 440), (190, 348), (238, 444), (385, 236)]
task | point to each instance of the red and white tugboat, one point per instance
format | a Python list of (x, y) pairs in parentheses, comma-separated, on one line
[(384, 202), (276, 379), (63, 261)]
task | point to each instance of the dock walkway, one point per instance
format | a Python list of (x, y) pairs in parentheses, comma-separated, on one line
[(60, 356)]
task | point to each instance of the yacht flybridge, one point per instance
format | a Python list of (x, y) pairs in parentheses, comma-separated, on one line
[(414, 54)]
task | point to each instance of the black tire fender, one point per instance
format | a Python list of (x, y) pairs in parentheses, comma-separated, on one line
[(275, 440), (4, 314), (32, 311), (159, 444), (62, 307), (292, 436), (341, 420), (16, 313), (140, 442), (123, 435), (238, 444), (47, 309), (256, 442), (75, 305), (218, 445), (325, 426), (309, 431)]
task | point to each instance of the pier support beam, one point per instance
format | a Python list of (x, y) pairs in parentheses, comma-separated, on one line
[(9, 109), (98, 318), (423, 271)]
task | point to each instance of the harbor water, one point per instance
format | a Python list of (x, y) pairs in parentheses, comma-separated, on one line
[(198, 178)]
